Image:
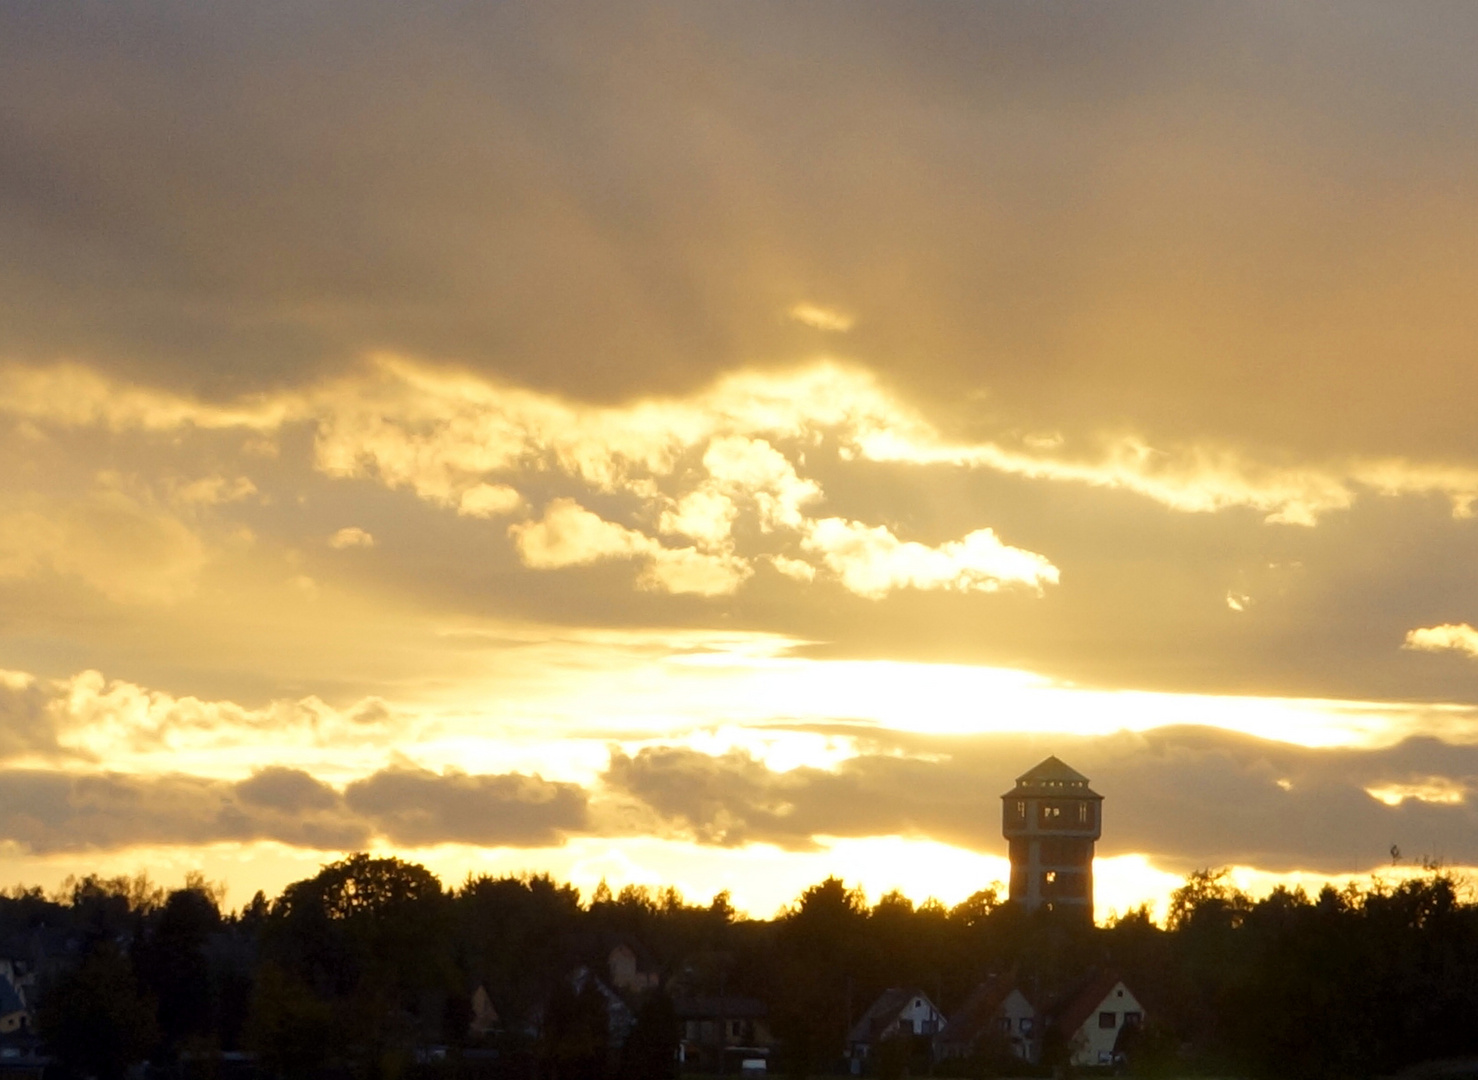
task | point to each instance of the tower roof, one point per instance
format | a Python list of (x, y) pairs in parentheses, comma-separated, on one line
[(1052, 777), (1054, 768)]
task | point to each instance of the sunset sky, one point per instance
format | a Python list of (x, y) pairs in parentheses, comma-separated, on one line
[(723, 444)]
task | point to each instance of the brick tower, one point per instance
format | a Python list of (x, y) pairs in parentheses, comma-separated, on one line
[(1051, 819)]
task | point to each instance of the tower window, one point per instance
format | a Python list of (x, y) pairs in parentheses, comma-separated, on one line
[(1083, 812), (1021, 808), (1051, 876)]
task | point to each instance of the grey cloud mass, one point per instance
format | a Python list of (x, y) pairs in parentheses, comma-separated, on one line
[(417, 807), (1187, 797), (47, 811), (290, 790)]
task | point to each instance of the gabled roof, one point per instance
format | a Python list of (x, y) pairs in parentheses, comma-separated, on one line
[(975, 1017), (645, 961), (614, 1005), (884, 1012), (1052, 777), (1073, 1010), (482, 1005)]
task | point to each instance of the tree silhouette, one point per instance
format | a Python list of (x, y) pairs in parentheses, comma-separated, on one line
[(95, 1020), (174, 970)]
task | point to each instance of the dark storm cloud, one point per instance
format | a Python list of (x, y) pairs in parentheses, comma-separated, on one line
[(1186, 797), (417, 807), (46, 812)]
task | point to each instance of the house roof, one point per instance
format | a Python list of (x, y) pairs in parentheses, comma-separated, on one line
[(883, 1012), (975, 1016), (1052, 777), (487, 1010), (1073, 1010), (593, 948), (645, 961)]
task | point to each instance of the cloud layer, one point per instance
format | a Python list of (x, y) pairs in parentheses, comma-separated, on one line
[(1182, 796), (1186, 797), (46, 812), (383, 388)]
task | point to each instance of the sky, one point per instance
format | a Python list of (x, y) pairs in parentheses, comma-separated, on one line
[(724, 444)]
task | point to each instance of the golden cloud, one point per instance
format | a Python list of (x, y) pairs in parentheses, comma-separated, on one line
[(871, 561), (570, 535), (1455, 637), (822, 318), (489, 500), (349, 537), (696, 466)]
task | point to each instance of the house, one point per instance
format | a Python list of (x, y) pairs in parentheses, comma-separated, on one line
[(1092, 1019), (996, 1017), (620, 1018), (898, 1012), (14, 1016), (631, 968), (18, 968), (485, 1018), (718, 1032)]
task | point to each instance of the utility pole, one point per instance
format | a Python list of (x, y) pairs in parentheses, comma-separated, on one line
[(723, 1019)]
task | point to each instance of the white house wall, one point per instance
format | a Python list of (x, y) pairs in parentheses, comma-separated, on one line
[(1023, 1038), (920, 1017), (1094, 1045)]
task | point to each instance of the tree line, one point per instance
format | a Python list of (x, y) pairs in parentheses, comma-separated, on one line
[(369, 969)]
